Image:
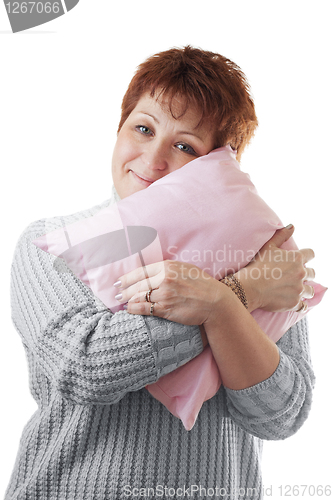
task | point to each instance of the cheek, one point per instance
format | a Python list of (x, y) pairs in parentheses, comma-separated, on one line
[(179, 163), (124, 152)]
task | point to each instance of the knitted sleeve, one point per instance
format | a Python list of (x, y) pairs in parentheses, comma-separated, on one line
[(91, 355), (277, 407)]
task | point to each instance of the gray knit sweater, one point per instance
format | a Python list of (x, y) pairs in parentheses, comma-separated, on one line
[(98, 434)]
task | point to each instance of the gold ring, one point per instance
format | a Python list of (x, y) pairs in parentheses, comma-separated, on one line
[(152, 309), (148, 294)]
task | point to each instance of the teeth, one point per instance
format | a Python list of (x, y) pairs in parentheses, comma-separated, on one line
[(143, 178), (146, 180)]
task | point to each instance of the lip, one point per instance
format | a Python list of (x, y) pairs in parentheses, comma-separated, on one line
[(146, 181)]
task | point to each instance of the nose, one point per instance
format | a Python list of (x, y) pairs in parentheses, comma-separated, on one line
[(155, 156)]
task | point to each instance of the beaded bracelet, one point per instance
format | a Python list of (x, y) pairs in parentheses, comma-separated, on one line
[(232, 282)]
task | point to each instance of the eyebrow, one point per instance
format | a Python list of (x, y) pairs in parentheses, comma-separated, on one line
[(185, 132), (151, 116), (191, 133)]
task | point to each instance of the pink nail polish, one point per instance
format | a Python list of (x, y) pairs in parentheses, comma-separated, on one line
[(117, 284)]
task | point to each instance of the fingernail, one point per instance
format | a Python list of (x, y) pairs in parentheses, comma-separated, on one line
[(119, 296), (117, 284), (290, 226), (125, 306)]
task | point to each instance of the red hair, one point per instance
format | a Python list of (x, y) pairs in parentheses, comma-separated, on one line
[(208, 81)]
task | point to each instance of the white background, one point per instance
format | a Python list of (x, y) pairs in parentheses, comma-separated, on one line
[(60, 92)]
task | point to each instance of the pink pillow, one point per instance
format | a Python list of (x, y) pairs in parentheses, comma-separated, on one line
[(207, 213)]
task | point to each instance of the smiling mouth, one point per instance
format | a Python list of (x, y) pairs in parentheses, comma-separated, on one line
[(146, 181)]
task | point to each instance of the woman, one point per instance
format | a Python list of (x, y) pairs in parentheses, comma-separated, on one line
[(97, 433)]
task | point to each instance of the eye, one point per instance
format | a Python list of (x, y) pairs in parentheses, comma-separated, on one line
[(143, 129), (186, 148)]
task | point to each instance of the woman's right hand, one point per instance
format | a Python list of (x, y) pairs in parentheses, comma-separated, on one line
[(275, 280)]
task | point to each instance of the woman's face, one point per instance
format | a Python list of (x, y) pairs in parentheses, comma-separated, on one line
[(151, 144)]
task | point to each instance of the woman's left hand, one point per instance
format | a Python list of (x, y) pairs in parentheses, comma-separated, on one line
[(182, 292)]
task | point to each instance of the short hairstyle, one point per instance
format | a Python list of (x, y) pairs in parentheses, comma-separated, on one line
[(209, 81)]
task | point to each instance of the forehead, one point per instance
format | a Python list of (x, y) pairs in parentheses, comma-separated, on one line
[(175, 108)]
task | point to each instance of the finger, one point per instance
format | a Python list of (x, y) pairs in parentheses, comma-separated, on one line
[(301, 307), (139, 274), (143, 308), (141, 288), (310, 274), (308, 254), (308, 292), (141, 296), (281, 236)]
